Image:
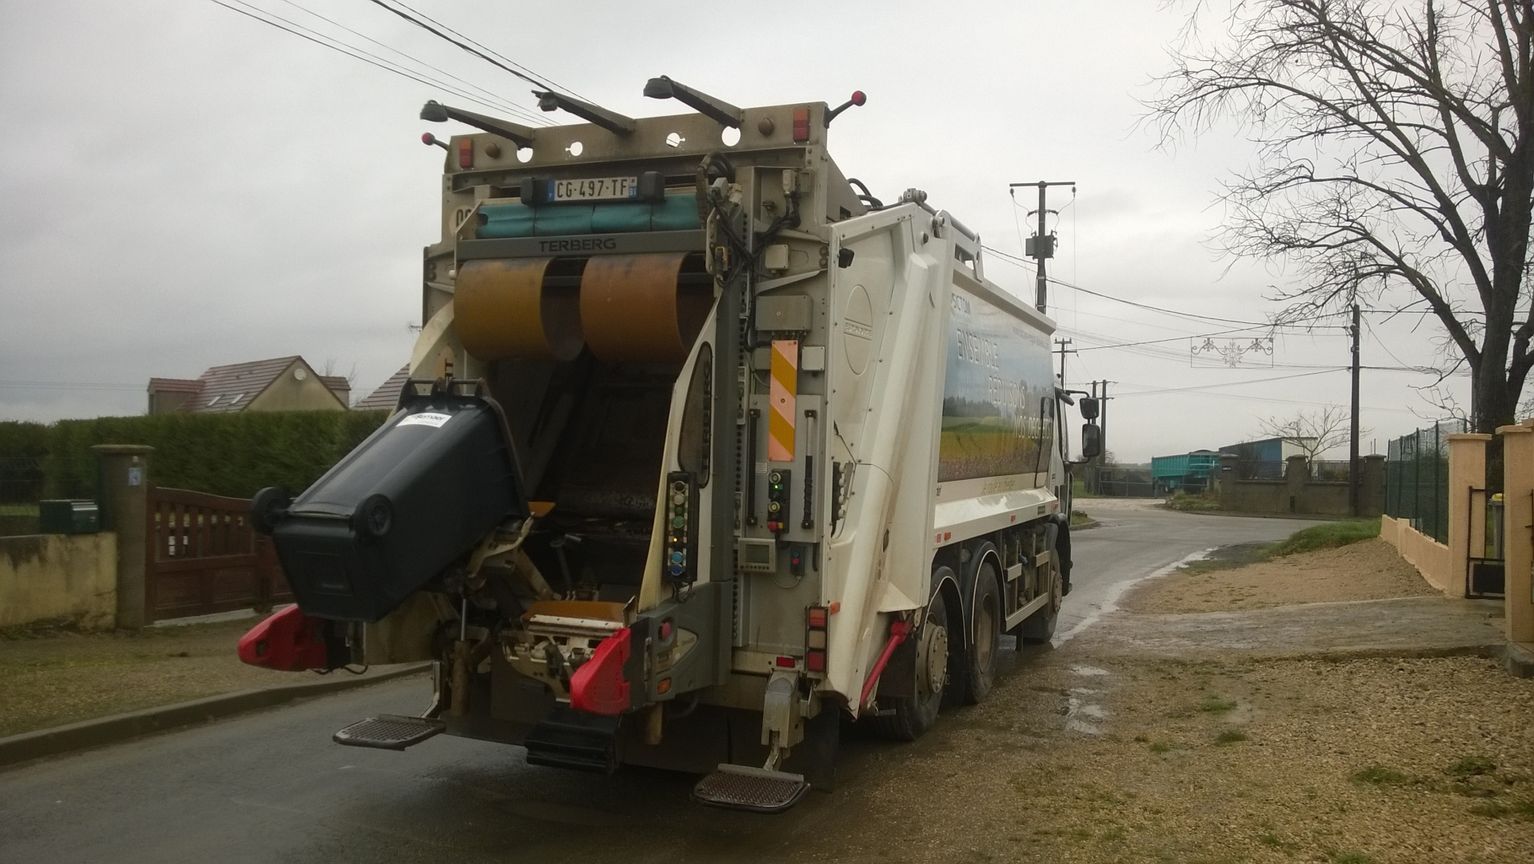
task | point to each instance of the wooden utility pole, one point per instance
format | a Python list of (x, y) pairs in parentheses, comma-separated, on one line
[(1062, 352), (1104, 415), (1041, 246), (1353, 478)]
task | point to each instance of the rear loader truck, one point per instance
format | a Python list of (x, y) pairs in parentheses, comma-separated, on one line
[(704, 449)]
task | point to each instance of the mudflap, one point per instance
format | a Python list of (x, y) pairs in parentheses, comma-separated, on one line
[(573, 739)]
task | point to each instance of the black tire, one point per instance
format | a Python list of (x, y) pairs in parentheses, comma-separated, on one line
[(268, 508), (906, 718), (374, 516), (1040, 626), (979, 673)]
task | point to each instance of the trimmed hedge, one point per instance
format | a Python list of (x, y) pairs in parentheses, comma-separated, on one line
[(225, 454)]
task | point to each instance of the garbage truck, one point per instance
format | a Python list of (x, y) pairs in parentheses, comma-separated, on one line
[(705, 450)]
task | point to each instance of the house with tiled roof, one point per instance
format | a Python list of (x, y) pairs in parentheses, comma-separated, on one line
[(386, 397), (278, 384)]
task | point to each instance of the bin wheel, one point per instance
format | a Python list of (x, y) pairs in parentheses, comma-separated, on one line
[(268, 508), (375, 516)]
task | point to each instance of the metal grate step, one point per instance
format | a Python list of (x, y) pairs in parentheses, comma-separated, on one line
[(389, 732), (741, 787)]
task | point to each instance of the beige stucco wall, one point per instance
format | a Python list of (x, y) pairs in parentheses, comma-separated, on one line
[(47, 577), (289, 394), (1430, 557), (1518, 540)]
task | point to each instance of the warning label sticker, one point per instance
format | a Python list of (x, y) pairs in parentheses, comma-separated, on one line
[(425, 418)]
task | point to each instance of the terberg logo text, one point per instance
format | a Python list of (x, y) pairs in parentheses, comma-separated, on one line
[(582, 244)]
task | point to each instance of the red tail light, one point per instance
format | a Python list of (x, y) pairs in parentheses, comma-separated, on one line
[(816, 619), (801, 125), (465, 153)]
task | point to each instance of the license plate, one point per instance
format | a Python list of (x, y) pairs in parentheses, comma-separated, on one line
[(595, 189)]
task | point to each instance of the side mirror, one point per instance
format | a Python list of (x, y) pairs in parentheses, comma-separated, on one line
[(1091, 441), (1088, 408)]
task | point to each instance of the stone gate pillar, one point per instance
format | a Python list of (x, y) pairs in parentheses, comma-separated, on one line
[(1518, 544), (1467, 470), (125, 495)]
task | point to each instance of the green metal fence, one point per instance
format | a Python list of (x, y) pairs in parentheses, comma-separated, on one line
[(1417, 478)]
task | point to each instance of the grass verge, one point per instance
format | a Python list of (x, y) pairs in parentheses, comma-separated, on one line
[(1328, 536), (52, 677)]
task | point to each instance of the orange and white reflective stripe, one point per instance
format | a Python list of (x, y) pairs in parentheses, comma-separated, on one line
[(783, 396)]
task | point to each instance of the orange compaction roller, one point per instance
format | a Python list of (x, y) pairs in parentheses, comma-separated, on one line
[(627, 308)]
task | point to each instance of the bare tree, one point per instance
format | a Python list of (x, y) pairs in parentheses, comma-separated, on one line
[(1396, 145), (1312, 432)]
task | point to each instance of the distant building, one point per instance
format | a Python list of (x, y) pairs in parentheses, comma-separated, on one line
[(386, 397), (1263, 459), (279, 384)]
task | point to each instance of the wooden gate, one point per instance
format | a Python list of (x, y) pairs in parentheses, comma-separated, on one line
[(202, 556)]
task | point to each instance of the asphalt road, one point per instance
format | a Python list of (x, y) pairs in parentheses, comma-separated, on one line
[(271, 787)]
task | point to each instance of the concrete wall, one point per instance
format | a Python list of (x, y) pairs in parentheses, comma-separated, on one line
[(1297, 493), (51, 577), (1430, 557)]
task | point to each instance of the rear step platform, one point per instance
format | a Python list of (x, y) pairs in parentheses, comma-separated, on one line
[(389, 732), (741, 787)]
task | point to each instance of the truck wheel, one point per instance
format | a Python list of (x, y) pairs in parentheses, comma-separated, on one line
[(980, 672), (911, 716), (1040, 626)]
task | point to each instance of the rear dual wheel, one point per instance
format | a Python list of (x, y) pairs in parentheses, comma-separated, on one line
[(907, 718)]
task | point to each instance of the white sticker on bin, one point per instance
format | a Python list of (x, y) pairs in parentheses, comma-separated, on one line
[(425, 418)]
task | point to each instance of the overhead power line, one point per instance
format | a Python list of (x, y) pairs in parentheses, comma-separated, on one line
[(1020, 262), (548, 83), (1244, 383), (355, 53), (66, 385), (1171, 339), (494, 97), (410, 15)]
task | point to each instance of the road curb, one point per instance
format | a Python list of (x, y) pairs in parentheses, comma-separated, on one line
[(1242, 514), (121, 727), (1518, 657)]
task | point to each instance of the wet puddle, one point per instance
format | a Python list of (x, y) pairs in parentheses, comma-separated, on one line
[(1083, 710)]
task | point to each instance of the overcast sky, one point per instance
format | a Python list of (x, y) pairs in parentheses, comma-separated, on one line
[(182, 187)]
